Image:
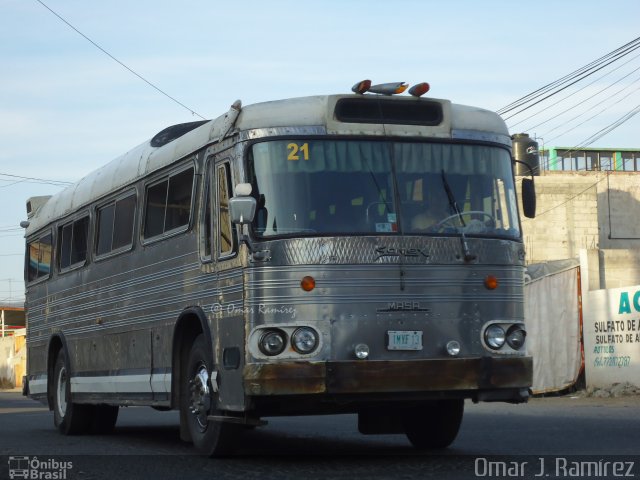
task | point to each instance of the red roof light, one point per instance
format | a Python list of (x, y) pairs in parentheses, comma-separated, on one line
[(419, 89)]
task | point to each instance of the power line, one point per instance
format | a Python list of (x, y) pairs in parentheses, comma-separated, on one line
[(193, 112), (574, 80), (549, 86), (58, 183), (572, 198), (624, 50), (588, 119), (610, 128), (17, 182), (596, 136), (575, 93), (607, 59)]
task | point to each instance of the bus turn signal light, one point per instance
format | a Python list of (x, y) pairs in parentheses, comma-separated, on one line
[(490, 282), (308, 283)]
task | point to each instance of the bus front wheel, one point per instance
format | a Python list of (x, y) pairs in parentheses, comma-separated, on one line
[(198, 401), (68, 417), (434, 425)]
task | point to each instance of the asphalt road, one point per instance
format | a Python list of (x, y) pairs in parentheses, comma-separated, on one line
[(145, 444)]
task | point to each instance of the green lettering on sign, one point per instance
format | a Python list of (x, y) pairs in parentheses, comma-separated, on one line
[(625, 305)]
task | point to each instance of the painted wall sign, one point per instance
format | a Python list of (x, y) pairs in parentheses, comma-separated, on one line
[(612, 336)]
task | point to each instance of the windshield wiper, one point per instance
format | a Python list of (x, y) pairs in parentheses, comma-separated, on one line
[(454, 206)]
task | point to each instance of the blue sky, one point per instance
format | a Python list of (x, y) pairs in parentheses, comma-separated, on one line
[(66, 108)]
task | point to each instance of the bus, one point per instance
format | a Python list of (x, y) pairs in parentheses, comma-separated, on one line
[(356, 253)]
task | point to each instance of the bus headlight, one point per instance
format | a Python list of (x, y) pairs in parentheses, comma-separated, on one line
[(516, 336), (494, 336), (272, 342), (304, 340)]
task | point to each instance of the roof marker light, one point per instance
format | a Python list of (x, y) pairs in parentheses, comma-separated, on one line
[(419, 89), (361, 87), (389, 88)]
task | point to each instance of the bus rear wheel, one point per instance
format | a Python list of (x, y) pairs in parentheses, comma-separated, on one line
[(68, 417), (198, 401), (435, 424)]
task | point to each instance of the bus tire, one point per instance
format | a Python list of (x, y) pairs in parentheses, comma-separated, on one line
[(103, 418), (68, 417), (198, 400), (434, 425)]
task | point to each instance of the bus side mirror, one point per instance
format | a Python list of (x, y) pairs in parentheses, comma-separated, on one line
[(528, 198), (242, 207)]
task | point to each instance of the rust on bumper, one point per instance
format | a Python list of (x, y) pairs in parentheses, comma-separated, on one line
[(387, 376), (291, 378)]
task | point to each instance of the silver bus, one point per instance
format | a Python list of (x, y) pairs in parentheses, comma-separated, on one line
[(352, 253)]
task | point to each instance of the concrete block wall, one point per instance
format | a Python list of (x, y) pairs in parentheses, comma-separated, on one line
[(619, 211), (621, 267), (595, 211), (566, 218)]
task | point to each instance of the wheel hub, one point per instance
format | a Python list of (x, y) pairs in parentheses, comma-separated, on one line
[(200, 396), (61, 392)]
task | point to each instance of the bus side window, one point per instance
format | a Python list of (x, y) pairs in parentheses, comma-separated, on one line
[(39, 258), (226, 240), (72, 243), (179, 200), (115, 225), (168, 204), (123, 223)]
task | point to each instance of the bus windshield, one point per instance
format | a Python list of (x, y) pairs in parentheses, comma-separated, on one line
[(324, 187)]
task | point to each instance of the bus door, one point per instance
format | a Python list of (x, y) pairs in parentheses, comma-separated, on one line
[(228, 316)]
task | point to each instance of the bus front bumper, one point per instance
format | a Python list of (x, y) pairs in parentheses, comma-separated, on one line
[(478, 374)]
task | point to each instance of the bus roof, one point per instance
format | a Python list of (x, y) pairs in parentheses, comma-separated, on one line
[(457, 121)]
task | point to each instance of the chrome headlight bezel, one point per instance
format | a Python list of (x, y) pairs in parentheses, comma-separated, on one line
[(275, 348), (305, 340), (504, 337), (494, 337), (516, 337)]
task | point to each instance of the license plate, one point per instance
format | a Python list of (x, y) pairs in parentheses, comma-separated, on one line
[(404, 340)]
